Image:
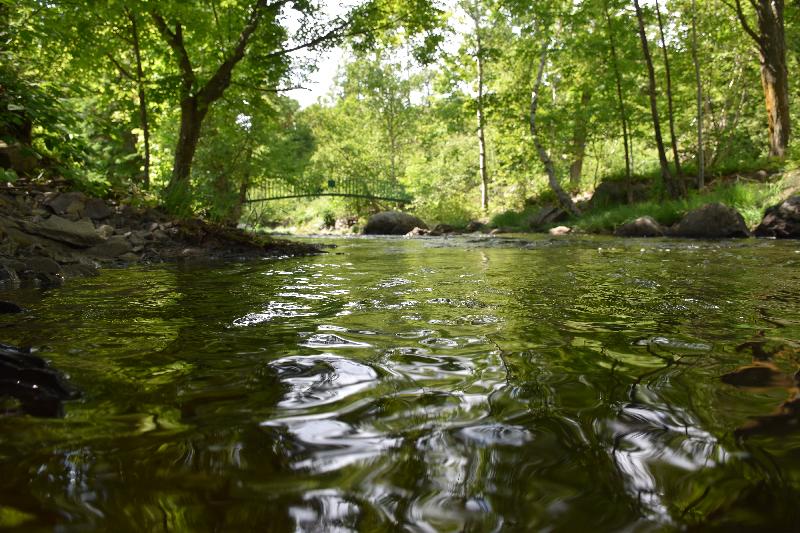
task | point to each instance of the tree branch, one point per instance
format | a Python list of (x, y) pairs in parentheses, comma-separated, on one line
[(175, 41), (744, 23), (122, 70)]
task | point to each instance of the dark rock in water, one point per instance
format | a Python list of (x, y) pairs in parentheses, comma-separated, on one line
[(781, 221), (8, 275), (28, 378), (474, 226), (442, 229), (392, 223), (9, 307), (42, 265), (711, 221), (115, 246), (783, 421), (641, 227), (758, 376)]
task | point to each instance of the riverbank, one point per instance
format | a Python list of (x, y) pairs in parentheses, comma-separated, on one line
[(49, 234), (751, 194)]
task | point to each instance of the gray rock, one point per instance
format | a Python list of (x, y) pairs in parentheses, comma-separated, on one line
[(105, 231), (641, 227), (96, 209), (392, 223), (441, 229), (711, 221), (115, 246), (781, 221), (68, 203), (79, 270), (8, 276), (80, 233), (129, 257), (42, 265)]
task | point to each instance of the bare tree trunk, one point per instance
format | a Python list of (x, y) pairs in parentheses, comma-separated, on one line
[(673, 188), (579, 141), (475, 14), (622, 111), (701, 156), (482, 135), (671, 114), (771, 43), (544, 157), (142, 97)]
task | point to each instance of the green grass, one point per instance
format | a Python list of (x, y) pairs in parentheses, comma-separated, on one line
[(749, 198)]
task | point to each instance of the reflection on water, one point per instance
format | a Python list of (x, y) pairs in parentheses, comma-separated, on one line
[(432, 385)]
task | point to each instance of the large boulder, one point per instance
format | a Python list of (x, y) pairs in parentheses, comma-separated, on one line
[(641, 227), (781, 221), (67, 204), (392, 223), (80, 233), (711, 221)]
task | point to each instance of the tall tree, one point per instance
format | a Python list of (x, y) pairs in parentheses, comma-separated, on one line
[(196, 98), (673, 187), (623, 115), (701, 154), (475, 12), (770, 40), (670, 111), (544, 156)]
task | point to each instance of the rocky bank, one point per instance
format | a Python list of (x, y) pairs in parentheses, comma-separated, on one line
[(47, 236)]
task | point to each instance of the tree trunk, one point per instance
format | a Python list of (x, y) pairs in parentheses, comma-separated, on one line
[(671, 114), (195, 100), (544, 157), (622, 112), (771, 42), (672, 188), (579, 141), (178, 190), (481, 133), (701, 156), (142, 98), (474, 12)]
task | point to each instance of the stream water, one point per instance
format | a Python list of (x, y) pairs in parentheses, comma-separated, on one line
[(456, 384)]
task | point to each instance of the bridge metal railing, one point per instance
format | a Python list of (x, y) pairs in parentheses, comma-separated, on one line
[(375, 189)]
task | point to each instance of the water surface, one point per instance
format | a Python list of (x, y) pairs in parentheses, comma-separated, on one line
[(424, 385)]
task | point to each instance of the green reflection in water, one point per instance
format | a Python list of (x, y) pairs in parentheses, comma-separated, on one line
[(447, 385)]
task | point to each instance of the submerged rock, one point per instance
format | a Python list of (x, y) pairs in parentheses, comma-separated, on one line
[(28, 378), (475, 225), (711, 221), (781, 221), (392, 223), (641, 227)]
